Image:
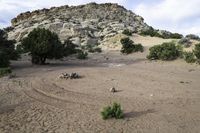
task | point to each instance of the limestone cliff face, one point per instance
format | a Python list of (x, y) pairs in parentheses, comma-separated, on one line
[(85, 24)]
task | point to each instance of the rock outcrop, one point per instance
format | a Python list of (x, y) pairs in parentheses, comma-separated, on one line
[(85, 24)]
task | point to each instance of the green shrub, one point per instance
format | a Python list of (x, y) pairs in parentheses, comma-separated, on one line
[(168, 35), (180, 50), (127, 32), (196, 52), (82, 55), (107, 112), (128, 46), (192, 36), (5, 71), (189, 57), (165, 51), (175, 36), (138, 47), (150, 32), (117, 111), (155, 52), (112, 112), (155, 33), (43, 44)]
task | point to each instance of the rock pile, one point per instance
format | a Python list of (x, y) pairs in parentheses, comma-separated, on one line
[(69, 76)]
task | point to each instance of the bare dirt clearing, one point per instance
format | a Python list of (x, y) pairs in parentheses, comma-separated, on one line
[(155, 96)]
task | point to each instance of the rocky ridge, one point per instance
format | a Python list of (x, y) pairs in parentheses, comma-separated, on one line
[(85, 24)]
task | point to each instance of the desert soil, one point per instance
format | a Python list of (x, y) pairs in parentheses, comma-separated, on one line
[(156, 96)]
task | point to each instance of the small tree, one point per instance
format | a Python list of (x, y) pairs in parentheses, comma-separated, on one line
[(128, 46), (7, 50), (43, 44), (127, 32)]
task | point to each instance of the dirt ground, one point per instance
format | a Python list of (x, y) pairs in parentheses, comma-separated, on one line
[(156, 96)]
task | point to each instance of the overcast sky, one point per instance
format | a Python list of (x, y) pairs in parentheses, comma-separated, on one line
[(181, 16)]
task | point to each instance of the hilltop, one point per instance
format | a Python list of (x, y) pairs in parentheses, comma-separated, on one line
[(85, 24)]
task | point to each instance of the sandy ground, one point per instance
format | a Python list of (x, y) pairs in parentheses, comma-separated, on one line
[(157, 97), (113, 43)]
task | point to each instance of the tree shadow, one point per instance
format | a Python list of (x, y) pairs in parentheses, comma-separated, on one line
[(118, 91), (134, 114), (25, 68), (23, 64)]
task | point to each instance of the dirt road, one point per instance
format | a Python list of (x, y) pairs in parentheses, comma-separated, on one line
[(157, 97)]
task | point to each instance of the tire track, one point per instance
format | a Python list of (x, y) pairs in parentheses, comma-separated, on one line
[(70, 100)]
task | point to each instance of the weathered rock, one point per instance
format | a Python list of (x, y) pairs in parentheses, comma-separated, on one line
[(90, 41), (113, 90), (87, 24), (76, 41)]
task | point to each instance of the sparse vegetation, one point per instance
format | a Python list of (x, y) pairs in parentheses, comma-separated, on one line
[(43, 44), (189, 57), (155, 33), (128, 46), (165, 51), (127, 32), (113, 111)]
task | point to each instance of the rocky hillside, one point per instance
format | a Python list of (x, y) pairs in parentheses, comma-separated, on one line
[(85, 24)]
